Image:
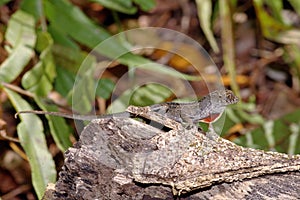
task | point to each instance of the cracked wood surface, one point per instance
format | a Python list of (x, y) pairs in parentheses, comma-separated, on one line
[(128, 159)]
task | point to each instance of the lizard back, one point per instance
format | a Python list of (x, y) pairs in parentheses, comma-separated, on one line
[(209, 106)]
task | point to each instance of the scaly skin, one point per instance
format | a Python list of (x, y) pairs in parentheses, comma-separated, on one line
[(206, 109)]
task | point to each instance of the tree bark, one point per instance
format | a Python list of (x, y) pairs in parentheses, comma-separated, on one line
[(100, 166)]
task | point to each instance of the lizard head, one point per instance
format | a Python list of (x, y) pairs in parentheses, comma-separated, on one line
[(222, 98), (216, 102)]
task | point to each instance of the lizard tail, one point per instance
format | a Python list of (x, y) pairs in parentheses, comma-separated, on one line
[(58, 114), (75, 116)]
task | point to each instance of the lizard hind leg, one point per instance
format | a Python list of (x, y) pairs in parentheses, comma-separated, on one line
[(188, 123), (189, 126)]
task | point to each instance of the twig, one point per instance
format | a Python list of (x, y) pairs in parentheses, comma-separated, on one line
[(18, 89)]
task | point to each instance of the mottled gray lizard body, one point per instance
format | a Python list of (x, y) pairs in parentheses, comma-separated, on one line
[(206, 109)]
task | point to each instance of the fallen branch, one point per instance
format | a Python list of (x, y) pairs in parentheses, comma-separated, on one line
[(124, 158)]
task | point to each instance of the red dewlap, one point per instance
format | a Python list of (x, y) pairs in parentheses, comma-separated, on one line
[(211, 118)]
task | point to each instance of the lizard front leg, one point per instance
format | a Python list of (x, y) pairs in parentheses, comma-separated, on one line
[(146, 112)]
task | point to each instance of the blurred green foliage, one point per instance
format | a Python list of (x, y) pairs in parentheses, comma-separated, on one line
[(56, 47), (270, 134), (54, 34)]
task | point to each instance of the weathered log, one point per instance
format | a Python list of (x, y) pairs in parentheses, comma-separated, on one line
[(127, 159)]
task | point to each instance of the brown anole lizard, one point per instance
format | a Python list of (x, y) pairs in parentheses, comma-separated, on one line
[(184, 159), (207, 109)]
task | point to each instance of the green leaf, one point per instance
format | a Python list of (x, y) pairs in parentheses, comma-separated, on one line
[(121, 103), (34, 7), (293, 53), (254, 139), (68, 58), (204, 9), (105, 88), (294, 140), (296, 5), (35, 80), (62, 39), (272, 28), (44, 41), (277, 7), (226, 121), (140, 96), (21, 30), (21, 35), (2, 2), (150, 94), (32, 139), (65, 85), (143, 63), (124, 6), (78, 26), (40, 78), (15, 63), (276, 135), (59, 129), (84, 89), (145, 5), (280, 133), (64, 81), (74, 23)]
